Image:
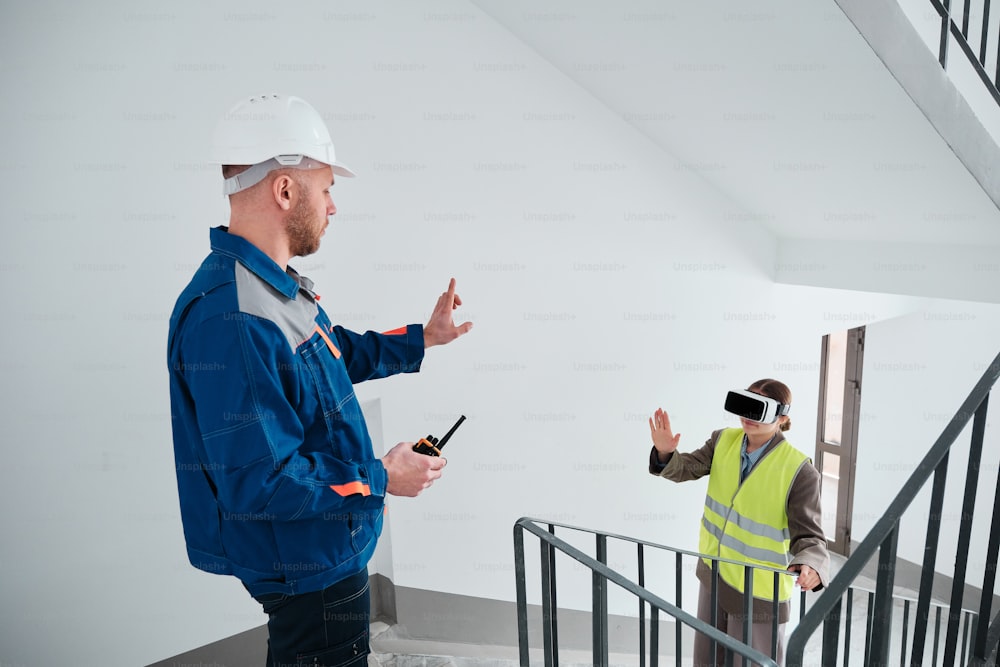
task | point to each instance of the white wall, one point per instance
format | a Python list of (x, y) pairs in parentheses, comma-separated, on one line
[(918, 370), (604, 278)]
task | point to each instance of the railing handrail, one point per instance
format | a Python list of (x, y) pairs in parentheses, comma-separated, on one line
[(885, 526), (646, 543), (644, 594), (697, 554)]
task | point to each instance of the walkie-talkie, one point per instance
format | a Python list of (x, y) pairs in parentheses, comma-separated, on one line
[(431, 446)]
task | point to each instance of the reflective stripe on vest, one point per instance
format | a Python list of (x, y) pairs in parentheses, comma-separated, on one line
[(748, 521)]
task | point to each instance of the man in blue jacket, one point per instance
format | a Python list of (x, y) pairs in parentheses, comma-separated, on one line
[(276, 475)]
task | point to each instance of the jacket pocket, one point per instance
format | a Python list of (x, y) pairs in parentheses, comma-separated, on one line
[(351, 652), (333, 390)]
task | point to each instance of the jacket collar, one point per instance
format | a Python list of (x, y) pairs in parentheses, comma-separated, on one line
[(252, 257)]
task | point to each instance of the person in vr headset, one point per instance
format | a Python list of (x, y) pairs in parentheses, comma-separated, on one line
[(762, 507)]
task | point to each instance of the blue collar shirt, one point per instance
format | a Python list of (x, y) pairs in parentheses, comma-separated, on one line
[(749, 459)]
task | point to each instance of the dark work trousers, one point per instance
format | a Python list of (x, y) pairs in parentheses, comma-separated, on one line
[(732, 625), (327, 628)]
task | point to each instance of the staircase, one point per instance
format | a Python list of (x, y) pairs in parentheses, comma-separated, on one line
[(883, 539), (864, 621)]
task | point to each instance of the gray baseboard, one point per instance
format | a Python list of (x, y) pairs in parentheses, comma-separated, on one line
[(383, 596), (250, 647), (433, 616), (240, 650), (449, 617)]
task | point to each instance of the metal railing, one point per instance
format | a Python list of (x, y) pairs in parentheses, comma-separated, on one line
[(961, 37), (602, 574), (831, 625), (839, 628), (883, 537), (978, 645)]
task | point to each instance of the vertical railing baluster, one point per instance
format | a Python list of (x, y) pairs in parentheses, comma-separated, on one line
[(775, 614), (945, 21), (985, 33), (989, 581), (965, 529), (555, 601), (883, 597), (521, 585), (930, 559), (747, 604), (679, 601), (600, 604), (714, 601), (869, 627), (847, 627), (831, 636), (642, 608), (996, 70), (906, 625), (965, 20), (654, 636), (548, 606)]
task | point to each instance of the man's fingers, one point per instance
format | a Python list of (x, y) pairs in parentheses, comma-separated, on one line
[(450, 292), (447, 302)]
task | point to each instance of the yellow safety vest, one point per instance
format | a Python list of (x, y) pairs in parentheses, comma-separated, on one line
[(748, 522)]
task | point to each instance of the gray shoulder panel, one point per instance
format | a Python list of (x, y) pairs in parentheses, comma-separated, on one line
[(295, 317)]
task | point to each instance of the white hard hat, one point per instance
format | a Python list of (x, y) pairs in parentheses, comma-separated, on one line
[(271, 132)]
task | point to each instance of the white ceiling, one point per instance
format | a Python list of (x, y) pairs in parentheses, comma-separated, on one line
[(782, 105)]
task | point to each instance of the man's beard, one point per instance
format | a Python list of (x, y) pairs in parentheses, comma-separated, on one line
[(303, 228)]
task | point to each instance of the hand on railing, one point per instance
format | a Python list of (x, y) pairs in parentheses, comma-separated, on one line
[(808, 578)]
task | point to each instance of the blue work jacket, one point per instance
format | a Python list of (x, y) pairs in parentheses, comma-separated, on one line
[(277, 480)]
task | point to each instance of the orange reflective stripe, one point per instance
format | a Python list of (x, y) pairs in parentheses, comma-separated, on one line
[(329, 343), (351, 488), (395, 332)]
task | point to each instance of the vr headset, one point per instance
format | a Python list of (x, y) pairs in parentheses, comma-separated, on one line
[(754, 407)]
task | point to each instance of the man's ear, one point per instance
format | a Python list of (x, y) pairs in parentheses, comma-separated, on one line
[(283, 190)]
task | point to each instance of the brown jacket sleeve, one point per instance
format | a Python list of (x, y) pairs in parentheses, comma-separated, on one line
[(808, 543), (682, 467)]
